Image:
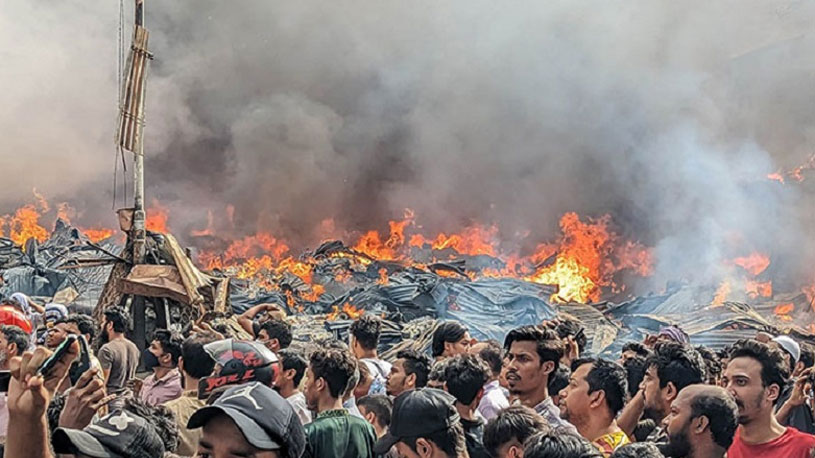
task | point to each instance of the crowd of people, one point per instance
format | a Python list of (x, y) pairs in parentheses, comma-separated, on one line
[(81, 388)]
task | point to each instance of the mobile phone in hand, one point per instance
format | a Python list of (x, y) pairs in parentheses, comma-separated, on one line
[(52, 360)]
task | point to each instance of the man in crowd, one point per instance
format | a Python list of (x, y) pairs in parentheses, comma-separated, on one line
[(450, 338), (792, 408), (438, 433), (293, 367), (249, 420), (561, 445), (632, 349), (409, 371), (533, 353), (464, 378), (251, 319), (164, 384), (118, 356), (504, 435), (120, 433), (376, 408), (13, 342), (364, 342), (195, 363), (597, 391), (701, 423), (755, 376), (334, 433), (493, 400), (673, 366), (275, 334)]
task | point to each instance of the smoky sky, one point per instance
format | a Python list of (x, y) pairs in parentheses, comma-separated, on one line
[(666, 115)]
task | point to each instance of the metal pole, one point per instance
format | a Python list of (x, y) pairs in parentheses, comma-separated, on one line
[(139, 216)]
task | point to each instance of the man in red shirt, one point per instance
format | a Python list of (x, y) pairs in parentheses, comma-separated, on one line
[(754, 376)]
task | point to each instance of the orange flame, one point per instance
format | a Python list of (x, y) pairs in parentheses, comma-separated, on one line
[(157, 216), (783, 311), (757, 289), (383, 276), (721, 294), (349, 310), (755, 263), (25, 225)]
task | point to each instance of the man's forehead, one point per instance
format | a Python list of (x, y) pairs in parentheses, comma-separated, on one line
[(743, 366), (523, 346), (582, 371)]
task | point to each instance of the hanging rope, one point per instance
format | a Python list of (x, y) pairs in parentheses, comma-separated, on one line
[(119, 153)]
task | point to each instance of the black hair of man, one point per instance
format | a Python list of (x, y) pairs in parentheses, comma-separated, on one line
[(15, 335), (608, 376), (722, 414), (569, 326), (170, 342), (677, 363), (450, 441), (774, 368), (336, 367), (548, 346), (159, 417), (493, 355), (465, 375), (559, 379), (292, 359), (380, 405), (517, 423), (638, 348), (119, 318), (446, 331), (635, 371), (558, 444), (280, 330), (84, 323), (644, 429), (638, 450), (807, 355), (713, 366), (436, 373), (416, 363), (197, 362), (366, 331)]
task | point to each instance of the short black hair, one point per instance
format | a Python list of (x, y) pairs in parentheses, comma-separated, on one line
[(119, 318), (549, 346), (465, 375), (569, 326), (436, 373), (677, 363), (446, 331), (493, 355), (722, 414), (197, 362), (278, 329), (16, 335), (84, 323), (450, 440), (159, 417), (713, 367), (638, 348), (515, 422), (416, 363), (608, 376), (774, 370), (170, 342), (380, 405), (292, 359), (559, 444), (807, 355), (638, 450), (336, 367), (366, 331), (559, 379), (644, 429), (635, 371)]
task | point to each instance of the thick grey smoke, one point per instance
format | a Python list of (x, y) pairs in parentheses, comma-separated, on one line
[(667, 115)]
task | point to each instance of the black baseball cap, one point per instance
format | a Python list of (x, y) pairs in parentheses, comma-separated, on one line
[(266, 420), (120, 434), (419, 413)]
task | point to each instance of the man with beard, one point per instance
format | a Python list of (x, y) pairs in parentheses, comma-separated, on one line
[(672, 367), (533, 353), (409, 371), (754, 376), (118, 356), (596, 392), (701, 423)]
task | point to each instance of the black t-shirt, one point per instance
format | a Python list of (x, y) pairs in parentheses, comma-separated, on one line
[(473, 434)]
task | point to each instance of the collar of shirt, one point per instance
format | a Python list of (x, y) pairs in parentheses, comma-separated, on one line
[(492, 386), (333, 413)]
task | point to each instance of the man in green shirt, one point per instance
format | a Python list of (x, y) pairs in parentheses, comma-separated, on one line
[(334, 433)]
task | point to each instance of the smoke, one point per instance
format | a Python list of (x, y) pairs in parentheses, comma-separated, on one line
[(666, 115)]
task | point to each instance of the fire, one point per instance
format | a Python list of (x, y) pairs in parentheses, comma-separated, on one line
[(349, 310), (210, 229), (757, 289), (25, 225), (755, 263), (782, 311), (383, 276), (777, 176), (372, 245), (796, 173), (474, 240), (99, 234), (721, 294), (157, 216)]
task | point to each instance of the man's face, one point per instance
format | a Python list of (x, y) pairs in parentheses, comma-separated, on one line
[(654, 406), (628, 354), (56, 334), (222, 439), (677, 426), (310, 390), (525, 373), (395, 384), (263, 337), (158, 352), (742, 378), (459, 347), (511, 449), (575, 401)]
